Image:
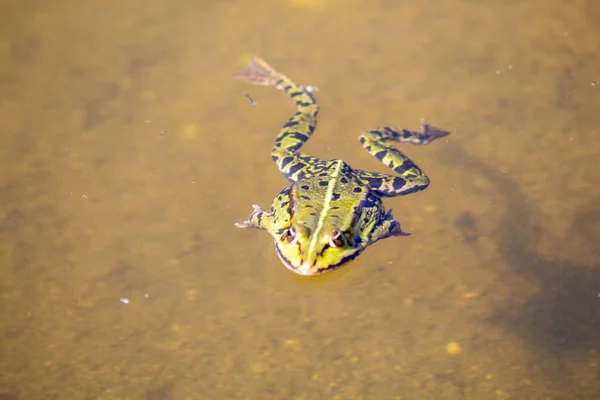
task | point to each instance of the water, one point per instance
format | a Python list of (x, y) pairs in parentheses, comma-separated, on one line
[(127, 155)]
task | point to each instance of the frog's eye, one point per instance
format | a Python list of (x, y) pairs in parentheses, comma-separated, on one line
[(337, 239), (291, 236)]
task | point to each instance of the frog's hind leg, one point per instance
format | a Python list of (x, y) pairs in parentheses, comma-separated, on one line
[(298, 129), (411, 178)]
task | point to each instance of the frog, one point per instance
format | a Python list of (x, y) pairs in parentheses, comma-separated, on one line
[(330, 213)]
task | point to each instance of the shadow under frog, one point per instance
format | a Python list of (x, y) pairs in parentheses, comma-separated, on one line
[(563, 317)]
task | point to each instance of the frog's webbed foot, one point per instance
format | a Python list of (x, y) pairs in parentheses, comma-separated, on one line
[(427, 133), (400, 232), (257, 219), (259, 72), (388, 227), (394, 229)]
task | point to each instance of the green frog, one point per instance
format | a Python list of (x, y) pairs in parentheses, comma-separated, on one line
[(331, 212)]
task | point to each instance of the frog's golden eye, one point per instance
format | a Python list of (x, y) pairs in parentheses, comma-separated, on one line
[(337, 239)]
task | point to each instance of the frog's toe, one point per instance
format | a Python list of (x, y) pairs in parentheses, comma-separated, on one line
[(396, 230), (431, 131), (400, 232)]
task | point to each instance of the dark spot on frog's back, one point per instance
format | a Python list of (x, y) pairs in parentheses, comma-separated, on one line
[(357, 190), (304, 187), (344, 180), (323, 183)]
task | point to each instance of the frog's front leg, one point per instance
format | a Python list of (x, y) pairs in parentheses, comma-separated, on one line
[(386, 228), (412, 178), (259, 219)]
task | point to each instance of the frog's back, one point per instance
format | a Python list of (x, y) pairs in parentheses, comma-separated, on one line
[(328, 198)]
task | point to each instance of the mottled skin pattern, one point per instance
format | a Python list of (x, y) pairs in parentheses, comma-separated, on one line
[(330, 213)]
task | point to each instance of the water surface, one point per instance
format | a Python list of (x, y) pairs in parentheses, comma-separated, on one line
[(128, 153)]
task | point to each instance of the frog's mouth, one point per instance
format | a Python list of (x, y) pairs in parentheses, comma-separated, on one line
[(307, 270)]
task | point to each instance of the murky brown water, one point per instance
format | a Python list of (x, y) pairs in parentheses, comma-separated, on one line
[(127, 155)]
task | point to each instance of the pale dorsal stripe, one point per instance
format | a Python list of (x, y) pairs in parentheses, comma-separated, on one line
[(326, 206)]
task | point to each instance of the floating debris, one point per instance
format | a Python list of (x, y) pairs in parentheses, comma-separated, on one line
[(250, 100)]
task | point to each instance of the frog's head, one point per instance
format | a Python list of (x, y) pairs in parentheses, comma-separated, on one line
[(315, 239), (308, 254)]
